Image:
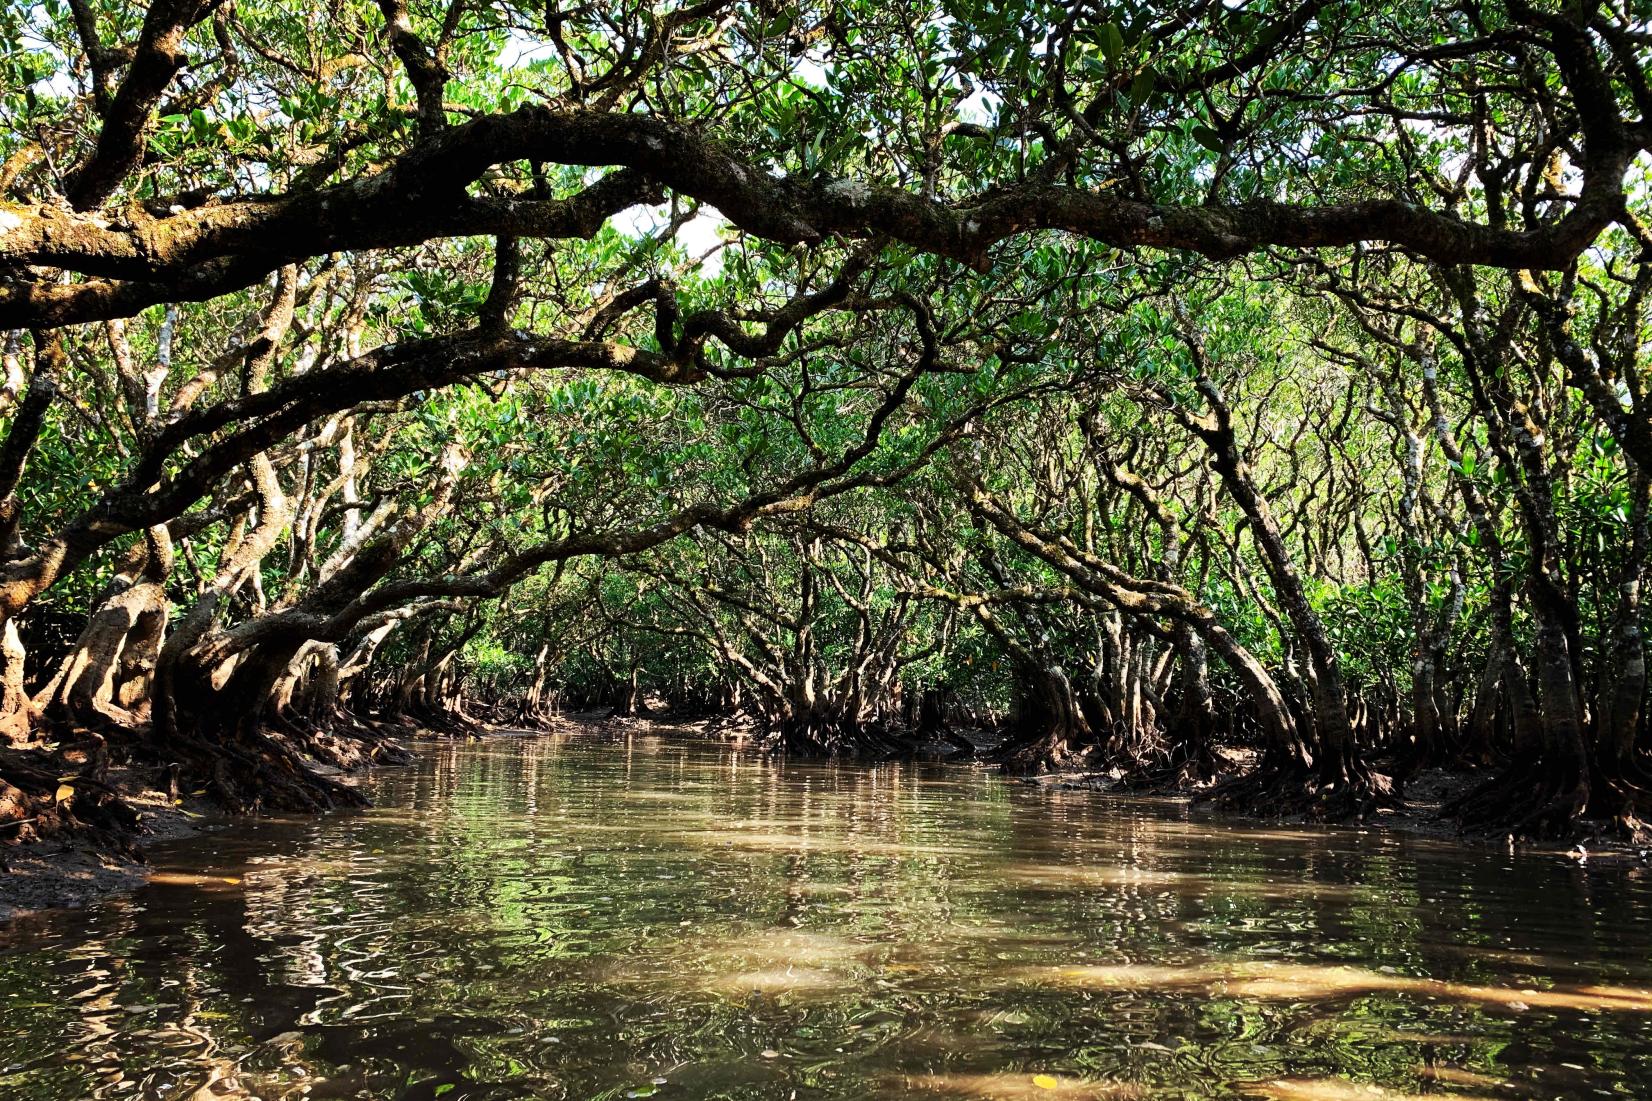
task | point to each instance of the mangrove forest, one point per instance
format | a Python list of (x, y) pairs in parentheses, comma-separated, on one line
[(922, 424)]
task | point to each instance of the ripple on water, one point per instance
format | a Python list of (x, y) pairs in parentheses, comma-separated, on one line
[(584, 918)]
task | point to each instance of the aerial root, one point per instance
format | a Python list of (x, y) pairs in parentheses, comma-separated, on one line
[(254, 770), (1530, 802), (1272, 791)]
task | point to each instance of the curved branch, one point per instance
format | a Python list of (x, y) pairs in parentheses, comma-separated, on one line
[(422, 195)]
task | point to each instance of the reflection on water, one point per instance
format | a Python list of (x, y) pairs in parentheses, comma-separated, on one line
[(645, 918)]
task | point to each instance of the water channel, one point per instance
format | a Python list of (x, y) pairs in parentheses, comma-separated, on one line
[(615, 917)]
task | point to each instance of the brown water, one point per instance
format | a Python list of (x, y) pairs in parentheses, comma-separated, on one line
[(597, 919)]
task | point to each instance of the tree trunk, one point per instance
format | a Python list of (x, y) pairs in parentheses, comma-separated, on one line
[(1054, 730), (1623, 784), (14, 701)]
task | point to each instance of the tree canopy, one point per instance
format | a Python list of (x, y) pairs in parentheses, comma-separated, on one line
[(1247, 391)]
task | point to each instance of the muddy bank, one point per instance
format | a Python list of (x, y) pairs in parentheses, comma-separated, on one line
[(58, 873), (62, 872), (1420, 814)]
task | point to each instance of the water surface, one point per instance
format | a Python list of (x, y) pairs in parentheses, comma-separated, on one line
[(595, 918)]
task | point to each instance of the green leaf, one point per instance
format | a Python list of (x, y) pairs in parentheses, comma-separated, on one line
[(1112, 41)]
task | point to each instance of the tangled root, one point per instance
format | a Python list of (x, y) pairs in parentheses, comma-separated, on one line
[(1278, 792), (39, 799), (1529, 802)]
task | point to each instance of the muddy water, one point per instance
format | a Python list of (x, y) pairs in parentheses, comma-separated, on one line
[(607, 919)]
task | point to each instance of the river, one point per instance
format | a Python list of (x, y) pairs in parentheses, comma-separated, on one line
[(591, 917)]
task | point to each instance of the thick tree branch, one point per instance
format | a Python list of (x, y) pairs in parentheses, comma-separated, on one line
[(157, 59), (422, 195)]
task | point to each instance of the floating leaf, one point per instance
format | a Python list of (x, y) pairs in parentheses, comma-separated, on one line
[(1046, 1081)]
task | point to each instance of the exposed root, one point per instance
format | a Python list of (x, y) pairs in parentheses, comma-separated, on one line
[(429, 720), (39, 799), (962, 748), (1185, 767), (1047, 752), (1530, 802), (1620, 798), (345, 743), (1282, 792), (814, 737), (250, 770)]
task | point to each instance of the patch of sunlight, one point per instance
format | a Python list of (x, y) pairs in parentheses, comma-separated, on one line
[(765, 961), (778, 980), (1458, 1076), (1009, 1087), (1267, 981), (202, 882), (780, 841), (1079, 876), (288, 868), (781, 947), (1337, 1089), (223, 1081)]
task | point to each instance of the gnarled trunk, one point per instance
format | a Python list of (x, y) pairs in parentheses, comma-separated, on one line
[(1053, 731)]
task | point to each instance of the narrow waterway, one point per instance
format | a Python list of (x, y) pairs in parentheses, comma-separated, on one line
[(596, 918)]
